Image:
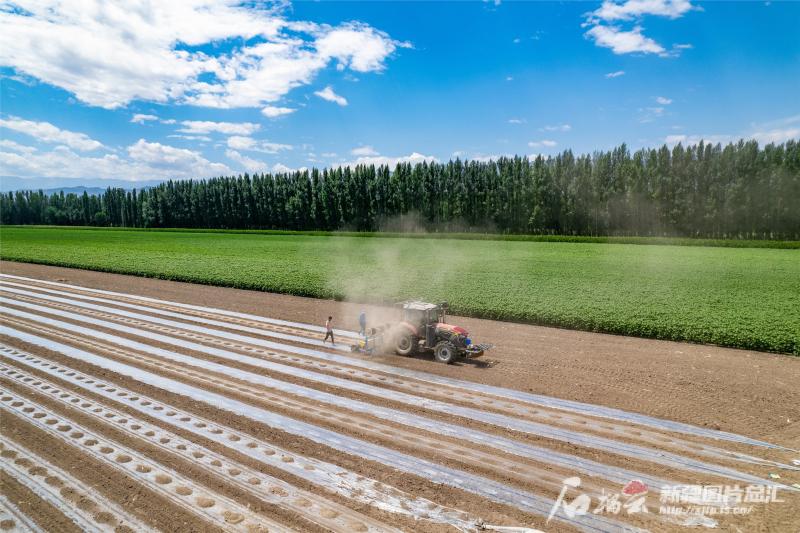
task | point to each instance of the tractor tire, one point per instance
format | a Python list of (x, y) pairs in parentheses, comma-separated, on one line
[(404, 344), (445, 352)]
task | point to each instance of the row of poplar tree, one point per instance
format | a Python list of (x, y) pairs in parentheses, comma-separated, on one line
[(736, 191)]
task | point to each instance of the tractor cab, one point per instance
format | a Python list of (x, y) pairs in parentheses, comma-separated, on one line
[(421, 314)]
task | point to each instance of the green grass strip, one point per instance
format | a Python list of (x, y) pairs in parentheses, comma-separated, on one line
[(469, 236), (746, 297)]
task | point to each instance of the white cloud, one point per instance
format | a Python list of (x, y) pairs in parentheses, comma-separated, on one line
[(253, 145), (547, 143), (485, 158), (777, 135), (616, 74), (159, 155), (624, 42), (169, 121), (16, 147), (329, 154), (367, 155), (662, 100), (675, 139), (328, 94), (649, 114), (517, 121), (391, 162), (274, 111), (25, 80), (774, 131), (46, 132), (557, 127), (111, 52), (517, 40), (509, 78), (621, 41), (356, 46), (633, 9), (226, 128), (249, 164), (241, 143), (202, 138), (364, 151), (144, 161), (280, 168), (139, 118), (786, 121), (490, 157), (253, 165), (694, 139)]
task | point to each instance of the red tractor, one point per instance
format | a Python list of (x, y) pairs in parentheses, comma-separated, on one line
[(422, 328)]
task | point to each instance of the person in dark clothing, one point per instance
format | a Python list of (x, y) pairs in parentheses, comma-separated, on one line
[(329, 330)]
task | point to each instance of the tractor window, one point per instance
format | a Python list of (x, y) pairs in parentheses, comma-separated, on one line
[(414, 316)]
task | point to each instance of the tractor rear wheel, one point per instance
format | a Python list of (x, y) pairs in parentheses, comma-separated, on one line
[(404, 344), (445, 352)]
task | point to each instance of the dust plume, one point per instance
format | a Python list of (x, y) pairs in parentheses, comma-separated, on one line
[(386, 270)]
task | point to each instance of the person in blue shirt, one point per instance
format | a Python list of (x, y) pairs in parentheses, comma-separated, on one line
[(362, 322)]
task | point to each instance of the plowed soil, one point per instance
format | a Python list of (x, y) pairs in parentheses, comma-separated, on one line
[(114, 364), (752, 393)]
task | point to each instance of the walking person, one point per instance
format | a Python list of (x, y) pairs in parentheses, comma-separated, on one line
[(329, 330), (362, 322)]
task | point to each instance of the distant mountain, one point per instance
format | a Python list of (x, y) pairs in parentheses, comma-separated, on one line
[(96, 191), (68, 185)]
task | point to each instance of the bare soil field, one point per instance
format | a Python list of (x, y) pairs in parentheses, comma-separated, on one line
[(135, 404)]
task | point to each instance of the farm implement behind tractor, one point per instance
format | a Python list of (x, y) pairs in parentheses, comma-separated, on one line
[(422, 328)]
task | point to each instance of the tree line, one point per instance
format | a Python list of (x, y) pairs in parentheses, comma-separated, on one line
[(740, 190)]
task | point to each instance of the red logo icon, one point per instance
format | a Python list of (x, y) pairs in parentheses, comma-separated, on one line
[(634, 487)]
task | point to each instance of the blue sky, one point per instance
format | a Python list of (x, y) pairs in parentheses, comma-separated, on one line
[(205, 87)]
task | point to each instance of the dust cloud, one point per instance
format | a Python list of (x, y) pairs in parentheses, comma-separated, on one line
[(384, 270)]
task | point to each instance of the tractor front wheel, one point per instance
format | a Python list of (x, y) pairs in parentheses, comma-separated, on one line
[(445, 352), (404, 344)]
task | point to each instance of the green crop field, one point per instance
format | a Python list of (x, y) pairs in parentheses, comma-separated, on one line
[(742, 297)]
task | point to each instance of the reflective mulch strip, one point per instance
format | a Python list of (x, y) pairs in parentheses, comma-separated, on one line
[(182, 492)]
